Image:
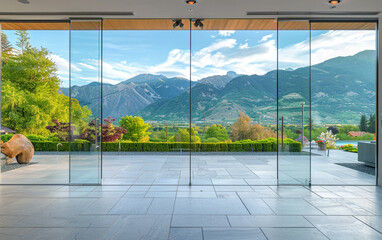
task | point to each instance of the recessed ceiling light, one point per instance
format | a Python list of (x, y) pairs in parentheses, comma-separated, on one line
[(191, 2), (23, 1), (334, 2)]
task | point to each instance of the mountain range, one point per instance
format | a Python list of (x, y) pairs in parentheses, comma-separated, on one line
[(343, 88)]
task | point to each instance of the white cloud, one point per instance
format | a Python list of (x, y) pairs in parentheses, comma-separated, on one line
[(226, 55), (226, 33), (88, 66), (266, 37), (63, 64), (243, 46), (326, 46)]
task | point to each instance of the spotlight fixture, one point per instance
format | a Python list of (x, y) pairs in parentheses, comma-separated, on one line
[(177, 23), (198, 23), (191, 2), (23, 1), (334, 2)]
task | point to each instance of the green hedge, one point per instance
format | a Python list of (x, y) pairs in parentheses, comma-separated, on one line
[(242, 146), (52, 146), (265, 146)]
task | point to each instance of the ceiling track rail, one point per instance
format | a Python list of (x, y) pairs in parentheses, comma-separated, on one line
[(331, 13), (66, 14)]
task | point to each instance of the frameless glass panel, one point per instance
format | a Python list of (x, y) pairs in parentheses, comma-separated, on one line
[(34, 102), (233, 101), (85, 108), (293, 102), (344, 76), (146, 102)]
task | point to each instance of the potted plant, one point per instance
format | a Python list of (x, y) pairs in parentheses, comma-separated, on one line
[(321, 144)]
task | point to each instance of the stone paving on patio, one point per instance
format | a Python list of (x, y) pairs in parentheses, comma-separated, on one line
[(190, 213), (207, 169)]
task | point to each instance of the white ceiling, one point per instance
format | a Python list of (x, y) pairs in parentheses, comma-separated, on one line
[(178, 8)]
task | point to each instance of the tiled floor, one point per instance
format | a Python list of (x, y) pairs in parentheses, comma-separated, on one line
[(235, 169), (188, 213)]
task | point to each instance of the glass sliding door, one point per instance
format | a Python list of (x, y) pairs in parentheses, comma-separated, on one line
[(293, 102), (85, 116), (34, 100), (344, 77), (146, 102), (233, 101)]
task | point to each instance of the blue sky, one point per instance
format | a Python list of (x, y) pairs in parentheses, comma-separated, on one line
[(129, 53)]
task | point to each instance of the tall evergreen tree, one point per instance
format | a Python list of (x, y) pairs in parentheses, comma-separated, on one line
[(363, 124), (6, 46), (23, 40), (30, 93), (371, 124)]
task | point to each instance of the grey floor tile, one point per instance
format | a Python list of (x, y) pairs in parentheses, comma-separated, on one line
[(199, 221), (233, 233), (86, 234), (343, 227), (227, 195), (160, 194), (338, 207), (131, 206), (110, 194), (134, 194), (259, 194), (92, 221), (293, 234), (196, 195), (209, 206), (143, 227), (257, 206), (161, 206), (101, 206), (47, 233), (233, 189), (269, 221), (196, 189), (289, 206), (13, 233), (372, 221), (186, 234), (111, 188)]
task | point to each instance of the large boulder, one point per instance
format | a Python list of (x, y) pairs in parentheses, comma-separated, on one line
[(20, 147)]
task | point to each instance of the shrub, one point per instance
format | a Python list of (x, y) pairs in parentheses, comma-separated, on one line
[(6, 137), (211, 140), (349, 148), (266, 145)]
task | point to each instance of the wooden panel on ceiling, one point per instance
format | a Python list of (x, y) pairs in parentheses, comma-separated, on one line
[(293, 25), (238, 24), (209, 24), (343, 26), (86, 25), (143, 24), (34, 25)]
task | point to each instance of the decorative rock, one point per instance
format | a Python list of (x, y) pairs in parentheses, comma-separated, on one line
[(20, 147)]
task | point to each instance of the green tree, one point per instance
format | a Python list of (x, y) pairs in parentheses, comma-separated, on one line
[(217, 131), (363, 124), (185, 135), (136, 129), (371, 124), (6, 46), (23, 40), (31, 96), (243, 129), (345, 129)]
